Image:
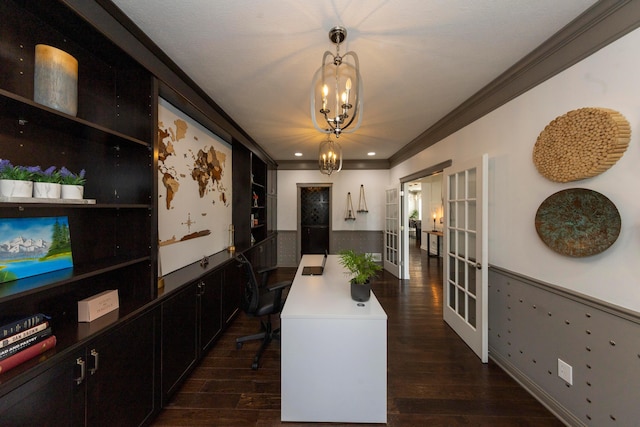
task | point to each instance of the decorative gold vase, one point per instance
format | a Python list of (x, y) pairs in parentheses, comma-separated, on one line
[(56, 79)]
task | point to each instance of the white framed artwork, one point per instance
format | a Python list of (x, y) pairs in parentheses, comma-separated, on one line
[(194, 190)]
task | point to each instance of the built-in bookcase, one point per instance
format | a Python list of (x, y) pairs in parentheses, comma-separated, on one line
[(111, 137)]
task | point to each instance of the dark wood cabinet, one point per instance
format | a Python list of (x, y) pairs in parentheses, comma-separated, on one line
[(179, 337), (194, 316), (113, 238), (91, 385), (119, 370), (121, 367)]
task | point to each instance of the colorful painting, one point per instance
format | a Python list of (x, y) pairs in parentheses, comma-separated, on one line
[(33, 246), (194, 182)]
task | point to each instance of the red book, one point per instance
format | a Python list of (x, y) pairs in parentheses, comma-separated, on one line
[(27, 354)]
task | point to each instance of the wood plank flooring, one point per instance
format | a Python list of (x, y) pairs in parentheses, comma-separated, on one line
[(434, 379)]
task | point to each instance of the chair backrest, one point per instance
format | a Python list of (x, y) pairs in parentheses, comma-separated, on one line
[(251, 291)]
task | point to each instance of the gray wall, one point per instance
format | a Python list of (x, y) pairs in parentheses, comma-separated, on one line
[(533, 324), (361, 241)]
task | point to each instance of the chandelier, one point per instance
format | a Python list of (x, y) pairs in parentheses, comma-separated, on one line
[(329, 156), (336, 91)]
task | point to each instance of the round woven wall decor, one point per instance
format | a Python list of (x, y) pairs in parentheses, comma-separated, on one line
[(578, 222), (581, 144)]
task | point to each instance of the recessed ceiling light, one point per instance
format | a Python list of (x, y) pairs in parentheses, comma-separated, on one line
[(371, 153), (298, 154)]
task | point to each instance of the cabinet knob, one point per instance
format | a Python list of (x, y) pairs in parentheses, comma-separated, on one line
[(80, 363)]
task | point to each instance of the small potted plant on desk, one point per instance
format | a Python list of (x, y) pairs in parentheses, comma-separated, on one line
[(362, 268)]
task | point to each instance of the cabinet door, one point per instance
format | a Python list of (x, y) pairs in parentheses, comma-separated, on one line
[(120, 374), (210, 309), (53, 398), (179, 342), (231, 291)]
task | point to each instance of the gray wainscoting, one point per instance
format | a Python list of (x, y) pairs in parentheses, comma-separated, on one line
[(533, 324), (361, 241)]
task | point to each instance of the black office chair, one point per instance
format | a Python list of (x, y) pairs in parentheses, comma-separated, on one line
[(260, 300)]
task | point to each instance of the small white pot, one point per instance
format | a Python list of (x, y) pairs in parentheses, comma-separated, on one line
[(15, 188), (72, 191), (46, 190)]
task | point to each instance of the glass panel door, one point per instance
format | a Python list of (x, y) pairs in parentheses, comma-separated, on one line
[(466, 252)]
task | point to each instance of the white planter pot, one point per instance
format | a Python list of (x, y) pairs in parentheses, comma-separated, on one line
[(46, 190), (72, 191), (15, 188)]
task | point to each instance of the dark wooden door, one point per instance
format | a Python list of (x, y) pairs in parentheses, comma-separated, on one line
[(120, 374), (179, 338), (210, 308), (315, 208), (52, 398)]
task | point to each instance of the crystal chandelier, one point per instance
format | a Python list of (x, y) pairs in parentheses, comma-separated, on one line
[(336, 91), (329, 156)]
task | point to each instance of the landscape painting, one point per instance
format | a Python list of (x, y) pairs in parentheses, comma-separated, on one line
[(33, 246)]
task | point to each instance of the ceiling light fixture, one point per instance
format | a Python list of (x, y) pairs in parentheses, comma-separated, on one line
[(336, 90), (329, 156)]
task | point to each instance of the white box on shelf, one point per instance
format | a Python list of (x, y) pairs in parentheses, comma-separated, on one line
[(98, 305)]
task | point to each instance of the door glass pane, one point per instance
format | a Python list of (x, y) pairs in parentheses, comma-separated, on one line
[(452, 242), (452, 269), (471, 282), (460, 190), (460, 214), (472, 312), (452, 296), (461, 273), (471, 247), (471, 175), (471, 215), (461, 249), (461, 303), (452, 187), (452, 215)]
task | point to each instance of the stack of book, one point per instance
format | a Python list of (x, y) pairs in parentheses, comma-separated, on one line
[(22, 338)]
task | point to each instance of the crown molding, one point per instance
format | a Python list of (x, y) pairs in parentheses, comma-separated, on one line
[(600, 25), (346, 164)]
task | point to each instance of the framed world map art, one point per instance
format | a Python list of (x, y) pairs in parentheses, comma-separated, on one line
[(194, 189)]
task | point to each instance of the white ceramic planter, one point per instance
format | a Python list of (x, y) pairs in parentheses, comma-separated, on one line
[(15, 188), (46, 190), (72, 191)]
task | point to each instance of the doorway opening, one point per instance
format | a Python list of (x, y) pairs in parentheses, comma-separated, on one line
[(314, 214), (423, 219)]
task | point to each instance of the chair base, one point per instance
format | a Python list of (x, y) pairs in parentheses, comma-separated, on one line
[(267, 334)]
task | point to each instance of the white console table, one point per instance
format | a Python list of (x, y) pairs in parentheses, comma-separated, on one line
[(334, 350)]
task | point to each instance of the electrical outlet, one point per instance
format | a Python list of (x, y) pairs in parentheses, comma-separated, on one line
[(565, 371)]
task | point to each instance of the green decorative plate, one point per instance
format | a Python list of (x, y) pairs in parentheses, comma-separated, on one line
[(578, 222)]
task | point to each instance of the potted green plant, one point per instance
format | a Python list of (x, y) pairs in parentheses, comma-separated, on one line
[(362, 268), (46, 183), (72, 184), (16, 181)]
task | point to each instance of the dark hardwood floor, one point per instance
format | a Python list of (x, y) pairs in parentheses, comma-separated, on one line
[(434, 379)]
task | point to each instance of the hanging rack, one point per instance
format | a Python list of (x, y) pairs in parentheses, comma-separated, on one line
[(348, 215), (362, 201)]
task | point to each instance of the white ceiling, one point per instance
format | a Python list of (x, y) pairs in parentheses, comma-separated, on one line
[(419, 59)]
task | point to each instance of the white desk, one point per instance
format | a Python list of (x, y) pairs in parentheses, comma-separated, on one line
[(334, 352)]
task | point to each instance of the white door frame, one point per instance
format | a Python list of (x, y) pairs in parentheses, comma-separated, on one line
[(391, 246), (465, 279)]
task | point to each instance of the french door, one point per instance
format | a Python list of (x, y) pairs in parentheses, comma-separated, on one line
[(466, 253), (392, 232)]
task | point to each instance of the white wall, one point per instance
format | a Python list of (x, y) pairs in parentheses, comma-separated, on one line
[(609, 79), (345, 181)]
